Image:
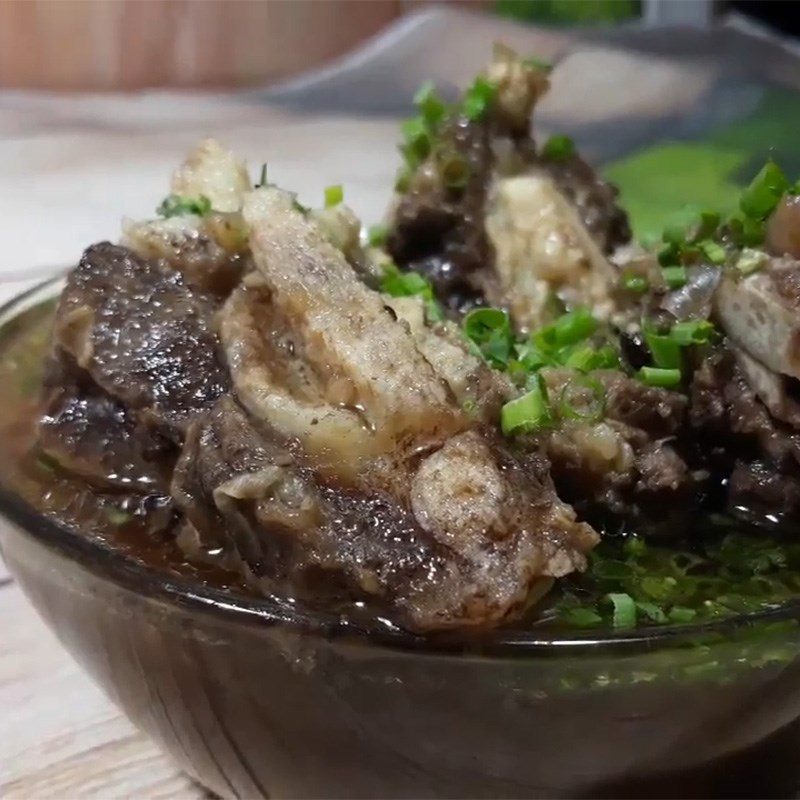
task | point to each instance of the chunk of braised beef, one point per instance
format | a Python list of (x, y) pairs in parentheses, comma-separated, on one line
[(762, 495), (89, 433), (438, 229), (595, 199), (143, 336)]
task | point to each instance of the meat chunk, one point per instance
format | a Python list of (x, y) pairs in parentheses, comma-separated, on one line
[(522, 226), (760, 319), (354, 353), (215, 173), (90, 434), (318, 359), (142, 335), (627, 468), (763, 495), (757, 454), (658, 412), (541, 248), (456, 557), (210, 252), (439, 231), (595, 200), (724, 406), (475, 386)]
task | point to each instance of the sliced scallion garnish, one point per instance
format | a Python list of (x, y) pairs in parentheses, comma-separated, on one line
[(334, 195), (587, 359), (674, 277), (714, 252), (665, 350), (659, 377), (558, 148), (632, 282), (377, 235), (624, 610), (689, 332), (759, 199), (527, 413), (179, 206), (430, 105), (478, 98), (570, 328), (489, 329)]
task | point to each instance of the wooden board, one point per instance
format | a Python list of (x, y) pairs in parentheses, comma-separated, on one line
[(59, 735)]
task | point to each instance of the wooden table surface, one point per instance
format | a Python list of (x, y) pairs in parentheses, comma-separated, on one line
[(60, 737)]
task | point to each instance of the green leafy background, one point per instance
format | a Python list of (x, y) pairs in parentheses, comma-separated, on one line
[(667, 181)]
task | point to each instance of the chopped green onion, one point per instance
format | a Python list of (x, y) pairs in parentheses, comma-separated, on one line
[(746, 231), (707, 227), (568, 329), (653, 612), (489, 329), (402, 182), (417, 143), (624, 615), (262, 180), (178, 206), (403, 284), (669, 255), (675, 277), (680, 614), (478, 98), (430, 105), (377, 235), (635, 283), (665, 350), (433, 311), (480, 323), (759, 199), (751, 261), (587, 359), (530, 358), (663, 378), (571, 401), (334, 195), (581, 617), (674, 235), (526, 413), (558, 148), (536, 63), (409, 284), (692, 332), (454, 169), (714, 252)]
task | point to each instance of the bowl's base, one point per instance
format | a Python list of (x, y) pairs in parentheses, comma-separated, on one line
[(769, 769)]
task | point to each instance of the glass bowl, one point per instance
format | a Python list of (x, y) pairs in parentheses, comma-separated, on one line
[(259, 698)]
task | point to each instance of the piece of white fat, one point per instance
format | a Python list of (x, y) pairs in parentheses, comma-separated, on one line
[(214, 172), (757, 319), (541, 247)]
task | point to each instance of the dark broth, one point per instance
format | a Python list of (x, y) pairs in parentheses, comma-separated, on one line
[(728, 570)]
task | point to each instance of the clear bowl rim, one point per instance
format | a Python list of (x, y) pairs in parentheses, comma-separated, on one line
[(123, 570)]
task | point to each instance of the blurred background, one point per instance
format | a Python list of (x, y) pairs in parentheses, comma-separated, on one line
[(678, 102), (134, 44)]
